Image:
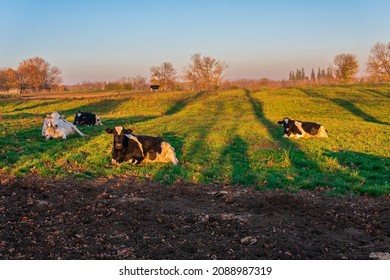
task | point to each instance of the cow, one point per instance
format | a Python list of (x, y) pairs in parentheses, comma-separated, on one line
[(154, 87), (298, 129), (85, 118), (55, 126), (128, 147)]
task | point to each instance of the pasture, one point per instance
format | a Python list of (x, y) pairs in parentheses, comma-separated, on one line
[(223, 138)]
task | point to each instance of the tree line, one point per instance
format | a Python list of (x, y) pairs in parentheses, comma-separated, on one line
[(345, 68), (202, 73), (36, 74)]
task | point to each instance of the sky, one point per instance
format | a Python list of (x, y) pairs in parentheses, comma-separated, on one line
[(106, 40)]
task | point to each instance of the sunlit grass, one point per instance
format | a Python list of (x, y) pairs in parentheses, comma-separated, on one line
[(229, 137)]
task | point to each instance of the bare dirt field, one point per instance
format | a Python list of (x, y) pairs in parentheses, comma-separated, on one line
[(121, 218)]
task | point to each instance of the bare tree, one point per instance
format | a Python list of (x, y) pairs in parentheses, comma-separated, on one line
[(378, 65), (205, 72), (8, 79), (164, 75), (35, 73), (347, 67), (139, 83)]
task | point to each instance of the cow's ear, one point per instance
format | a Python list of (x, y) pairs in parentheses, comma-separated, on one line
[(109, 130), (48, 116), (159, 140), (280, 122), (128, 131), (63, 117)]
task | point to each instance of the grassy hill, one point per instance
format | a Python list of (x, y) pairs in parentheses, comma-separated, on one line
[(227, 137)]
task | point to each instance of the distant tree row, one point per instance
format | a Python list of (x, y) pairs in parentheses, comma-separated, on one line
[(345, 67), (322, 75), (344, 70), (123, 84), (36, 74), (202, 73), (33, 74)]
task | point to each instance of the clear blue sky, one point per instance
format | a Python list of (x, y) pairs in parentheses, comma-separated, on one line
[(107, 40)]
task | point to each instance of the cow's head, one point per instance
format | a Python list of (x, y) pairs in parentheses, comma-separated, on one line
[(53, 120), (119, 134), (79, 118), (288, 126)]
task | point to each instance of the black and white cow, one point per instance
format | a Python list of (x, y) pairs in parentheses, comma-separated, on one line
[(137, 148), (298, 129), (85, 118)]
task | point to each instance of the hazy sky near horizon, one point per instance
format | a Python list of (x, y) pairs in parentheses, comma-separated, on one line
[(107, 40)]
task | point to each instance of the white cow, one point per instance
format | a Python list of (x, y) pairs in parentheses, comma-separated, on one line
[(55, 126)]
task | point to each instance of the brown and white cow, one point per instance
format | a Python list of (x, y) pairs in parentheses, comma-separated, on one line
[(298, 129), (137, 148), (55, 126)]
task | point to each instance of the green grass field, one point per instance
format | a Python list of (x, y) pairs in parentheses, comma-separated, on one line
[(229, 137)]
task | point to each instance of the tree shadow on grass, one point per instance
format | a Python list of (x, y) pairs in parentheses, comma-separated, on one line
[(101, 107), (181, 104), (21, 116), (375, 93), (307, 172), (45, 103), (347, 105), (128, 121), (372, 172), (236, 153), (191, 152)]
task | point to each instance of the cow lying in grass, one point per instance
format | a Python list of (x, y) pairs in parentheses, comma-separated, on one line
[(85, 118), (298, 129), (55, 126), (137, 148)]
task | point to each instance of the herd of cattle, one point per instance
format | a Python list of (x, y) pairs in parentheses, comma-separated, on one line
[(135, 149), (127, 147)]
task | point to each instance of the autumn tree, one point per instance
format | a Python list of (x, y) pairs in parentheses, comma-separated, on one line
[(164, 75), (8, 79), (378, 65), (37, 74), (347, 67), (204, 73)]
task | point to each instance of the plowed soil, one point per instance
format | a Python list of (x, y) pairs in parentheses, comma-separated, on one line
[(122, 218)]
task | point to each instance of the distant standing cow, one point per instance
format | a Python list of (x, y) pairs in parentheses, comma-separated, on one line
[(154, 87), (298, 129)]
